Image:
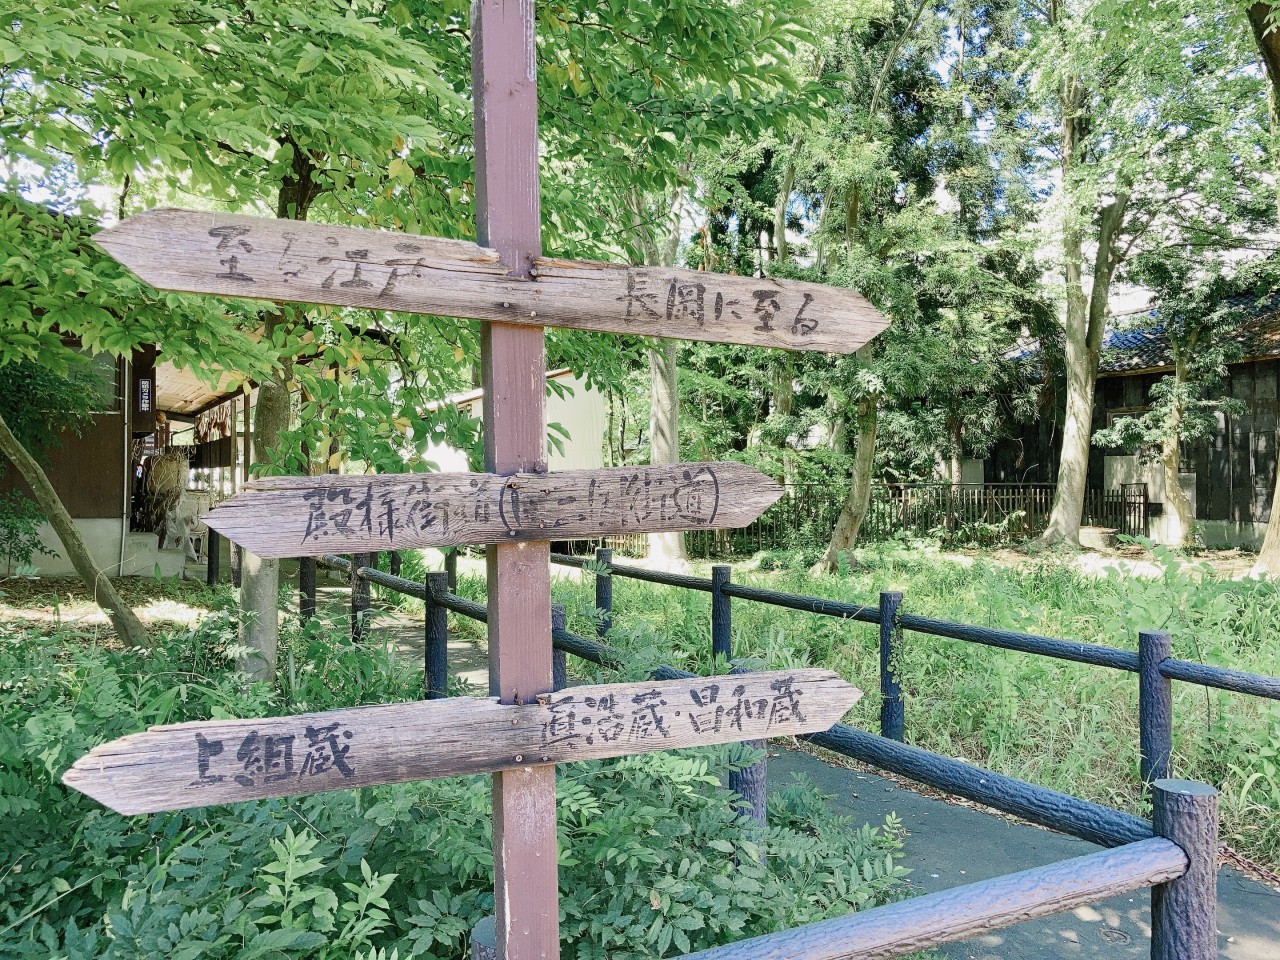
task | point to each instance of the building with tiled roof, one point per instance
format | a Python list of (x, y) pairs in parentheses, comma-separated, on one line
[(1230, 477)]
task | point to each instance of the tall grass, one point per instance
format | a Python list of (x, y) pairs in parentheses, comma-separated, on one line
[(1068, 726)]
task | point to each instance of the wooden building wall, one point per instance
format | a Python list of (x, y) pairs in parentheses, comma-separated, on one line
[(88, 470), (1235, 469)]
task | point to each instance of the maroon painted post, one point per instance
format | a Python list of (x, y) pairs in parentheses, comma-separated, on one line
[(306, 588), (604, 591), (436, 645), (1184, 912), (559, 660), (513, 369), (1155, 706)]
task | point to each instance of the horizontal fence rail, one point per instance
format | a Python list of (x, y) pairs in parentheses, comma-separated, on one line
[(939, 918), (1091, 653)]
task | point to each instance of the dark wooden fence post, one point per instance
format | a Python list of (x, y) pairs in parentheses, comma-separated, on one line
[(451, 568), (436, 638), (237, 564), (394, 566), (751, 784), (721, 613), (213, 551), (359, 597), (306, 588), (559, 662), (604, 590), (1155, 706), (892, 714), (1184, 912)]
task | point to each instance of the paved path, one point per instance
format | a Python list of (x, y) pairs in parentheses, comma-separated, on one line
[(949, 845)]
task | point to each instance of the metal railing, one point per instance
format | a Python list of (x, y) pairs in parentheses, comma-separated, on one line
[(807, 513), (1175, 853)]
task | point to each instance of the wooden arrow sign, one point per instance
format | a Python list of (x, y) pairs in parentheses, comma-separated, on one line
[(226, 761), (270, 259), (310, 516)]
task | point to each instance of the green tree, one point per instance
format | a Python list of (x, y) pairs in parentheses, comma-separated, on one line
[(1155, 113)]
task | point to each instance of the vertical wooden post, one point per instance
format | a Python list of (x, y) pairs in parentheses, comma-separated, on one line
[(604, 590), (451, 568), (237, 564), (214, 549), (751, 784), (513, 367), (1184, 912), (359, 597), (436, 629), (394, 566), (306, 588), (1155, 706), (892, 718), (721, 614), (559, 661)]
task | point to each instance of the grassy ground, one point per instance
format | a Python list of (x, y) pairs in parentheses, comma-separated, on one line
[(1067, 726)]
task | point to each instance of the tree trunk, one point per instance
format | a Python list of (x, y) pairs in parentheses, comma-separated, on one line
[(1083, 325), (127, 626), (845, 535), (666, 550), (956, 438), (1177, 504), (260, 578), (780, 210)]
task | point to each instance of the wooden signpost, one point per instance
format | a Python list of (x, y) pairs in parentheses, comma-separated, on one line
[(294, 516), (515, 507), (228, 761), (239, 256)]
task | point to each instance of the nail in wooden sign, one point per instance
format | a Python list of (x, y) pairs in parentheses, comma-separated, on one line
[(310, 516), (227, 761), (256, 257)]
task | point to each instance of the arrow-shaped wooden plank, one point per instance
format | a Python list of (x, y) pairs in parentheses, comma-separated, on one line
[(233, 255), (226, 761), (310, 516)]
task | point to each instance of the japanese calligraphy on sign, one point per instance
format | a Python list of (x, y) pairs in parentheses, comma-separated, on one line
[(225, 761), (305, 516), (241, 256), (709, 708)]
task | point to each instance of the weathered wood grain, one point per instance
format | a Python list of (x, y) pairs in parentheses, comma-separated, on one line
[(961, 912), (235, 255), (226, 761), (310, 516)]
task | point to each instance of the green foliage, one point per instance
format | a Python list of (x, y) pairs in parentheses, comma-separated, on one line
[(654, 857), (55, 284), (39, 405), (20, 541)]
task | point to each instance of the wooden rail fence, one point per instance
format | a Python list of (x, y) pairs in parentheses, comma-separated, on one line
[(1175, 853)]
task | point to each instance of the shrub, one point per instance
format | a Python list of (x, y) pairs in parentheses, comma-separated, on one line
[(20, 541), (655, 859)]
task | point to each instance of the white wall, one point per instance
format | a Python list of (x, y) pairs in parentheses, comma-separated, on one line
[(582, 412)]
